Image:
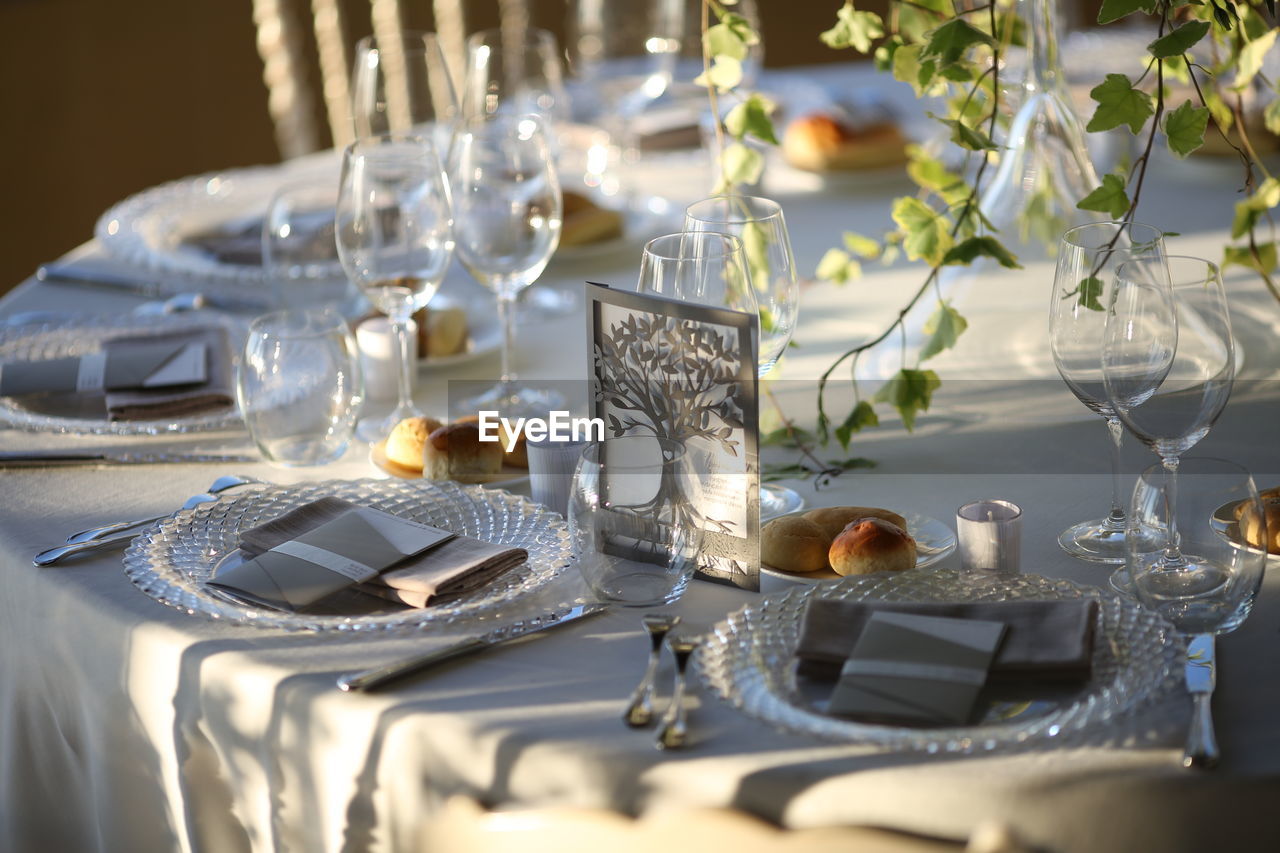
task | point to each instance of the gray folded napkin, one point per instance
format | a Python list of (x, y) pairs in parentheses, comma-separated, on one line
[(217, 391), (241, 244), (443, 574), (1044, 641)]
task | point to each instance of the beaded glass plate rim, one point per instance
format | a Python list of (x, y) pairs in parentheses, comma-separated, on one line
[(732, 663), (78, 334), (150, 564)]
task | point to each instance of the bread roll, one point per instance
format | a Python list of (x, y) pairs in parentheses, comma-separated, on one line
[(794, 544), (821, 143), (518, 456), (404, 445), (442, 331), (455, 452), (871, 545), (834, 519), (1258, 534), (587, 222)]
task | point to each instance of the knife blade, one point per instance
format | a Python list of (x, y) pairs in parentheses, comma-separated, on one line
[(374, 678), (1200, 676), (51, 458)]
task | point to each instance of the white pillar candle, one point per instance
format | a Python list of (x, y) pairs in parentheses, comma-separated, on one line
[(989, 534), (377, 350)]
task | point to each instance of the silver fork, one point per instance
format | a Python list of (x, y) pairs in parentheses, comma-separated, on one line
[(639, 711), (222, 484), (675, 726)]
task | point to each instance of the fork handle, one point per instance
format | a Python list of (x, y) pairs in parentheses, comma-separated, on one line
[(93, 533), (1202, 746), (53, 555)]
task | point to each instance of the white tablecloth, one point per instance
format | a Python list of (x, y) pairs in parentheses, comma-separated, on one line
[(127, 725)]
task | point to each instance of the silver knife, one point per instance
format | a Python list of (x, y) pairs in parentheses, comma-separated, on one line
[(58, 272), (50, 458), (1202, 746), (374, 678)]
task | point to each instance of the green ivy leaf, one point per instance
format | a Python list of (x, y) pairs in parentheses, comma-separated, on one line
[(863, 247), (837, 267), (1184, 128), (1219, 109), (861, 417), (909, 391), (723, 40), (1271, 115), (930, 173), (967, 251), (1250, 210), (752, 117), (965, 136), (1114, 10), (926, 233), (943, 328), (1250, 61), (1089, 293), (1179, 41), (950, 41), (854, 29), (741, 165), (908, 68), (1119, 103), (724, 74), (1110, 198), (1243, 256)]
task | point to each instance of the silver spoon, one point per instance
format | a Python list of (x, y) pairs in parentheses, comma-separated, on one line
[(639, 711), (222, 484), (675, 730)]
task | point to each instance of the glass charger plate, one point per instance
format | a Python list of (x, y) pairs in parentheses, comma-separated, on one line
[(748, 659), (170, 561), (934, 540), (157, 229), (73, 336)]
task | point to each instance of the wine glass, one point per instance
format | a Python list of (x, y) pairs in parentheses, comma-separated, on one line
[(509, 212), (1168, 364), (1211, 586), (395, 239), (515, 73), (762, 228), (299, 253), (402, 85), (1087, 258)]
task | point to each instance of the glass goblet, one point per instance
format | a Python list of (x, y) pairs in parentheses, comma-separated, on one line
[(1210, 584), (395, 239), (509, 212), (633, 517), (1168, 364), (299, 386), (760, 225), (299, 253), (1087, 258), (514, 73), (402, 85)]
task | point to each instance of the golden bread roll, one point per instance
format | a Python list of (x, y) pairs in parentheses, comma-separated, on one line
[(455, 452), (794, 544), (1256, 532), (871, 545), (404, 445), (587, 222), (518, 456), (834, 519), (445, 330), (821, 143)]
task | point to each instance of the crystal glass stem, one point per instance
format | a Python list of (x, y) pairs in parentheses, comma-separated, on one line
[(507, 320), (1173, 548), (1116, 520), (404, 379)]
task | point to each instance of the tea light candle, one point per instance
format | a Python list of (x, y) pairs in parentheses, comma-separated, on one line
[(551, 467), (377, 346), (989, 534)]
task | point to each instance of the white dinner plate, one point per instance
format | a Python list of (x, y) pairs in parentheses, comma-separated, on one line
[(934, 540)]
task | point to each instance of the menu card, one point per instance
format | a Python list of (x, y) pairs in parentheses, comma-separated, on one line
[(921, 670), (687, 372)]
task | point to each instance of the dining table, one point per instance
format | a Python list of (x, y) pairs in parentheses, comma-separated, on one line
[(126, 724)]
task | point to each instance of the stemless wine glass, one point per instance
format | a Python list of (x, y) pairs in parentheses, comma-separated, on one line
[(299, 386), (516, 73), (1168, 363), (395, 239), (762, 228), (402, 85), (299, 253), (1087, 258), (1204, 577), (509, 212), (633, 515)]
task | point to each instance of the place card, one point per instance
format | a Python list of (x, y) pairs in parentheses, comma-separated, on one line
[(916, 670), (352, 548), (137, 365), (687, 372)]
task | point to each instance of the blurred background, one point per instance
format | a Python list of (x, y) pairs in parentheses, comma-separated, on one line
[(101, 100)]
